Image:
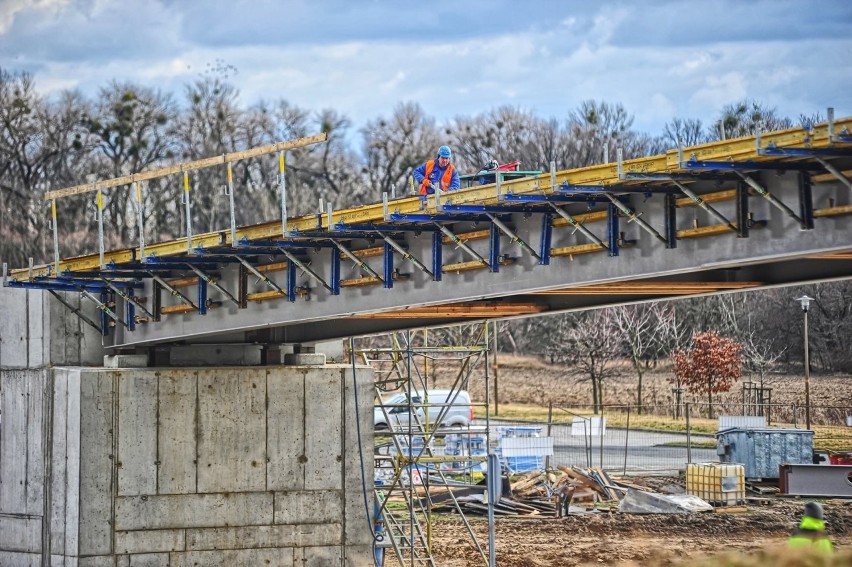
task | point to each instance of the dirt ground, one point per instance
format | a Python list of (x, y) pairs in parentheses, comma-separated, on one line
[(616, 539), (611, 538)]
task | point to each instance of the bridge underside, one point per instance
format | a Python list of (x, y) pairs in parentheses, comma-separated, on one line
[(734, 216)]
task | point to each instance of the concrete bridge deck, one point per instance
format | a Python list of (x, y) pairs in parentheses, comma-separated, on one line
[(731, 215)]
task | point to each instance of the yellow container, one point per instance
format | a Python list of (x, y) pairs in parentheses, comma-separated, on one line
[(720, 484)]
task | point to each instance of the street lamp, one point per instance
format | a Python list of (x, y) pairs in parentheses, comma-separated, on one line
[(805, 301)]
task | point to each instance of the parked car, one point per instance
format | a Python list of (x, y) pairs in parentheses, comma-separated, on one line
[(396, 409)]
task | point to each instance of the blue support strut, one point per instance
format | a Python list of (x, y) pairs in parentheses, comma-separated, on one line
[(612, 229), (388, 266), (494, 249), (546, 237), (437, 256)]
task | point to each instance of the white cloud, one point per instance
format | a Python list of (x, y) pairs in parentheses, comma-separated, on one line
[(660, 59)]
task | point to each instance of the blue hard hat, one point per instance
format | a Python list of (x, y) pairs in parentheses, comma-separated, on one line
[(445, 151)]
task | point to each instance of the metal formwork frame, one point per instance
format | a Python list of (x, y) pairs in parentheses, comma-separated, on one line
[(343, 234)]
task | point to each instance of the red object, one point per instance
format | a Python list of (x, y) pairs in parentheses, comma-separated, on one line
[(839, 458), (511, 166)]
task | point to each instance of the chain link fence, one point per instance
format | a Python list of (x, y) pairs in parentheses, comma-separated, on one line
[(665, 438)]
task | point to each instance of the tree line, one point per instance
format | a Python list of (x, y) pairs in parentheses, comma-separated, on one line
[(48, 143)]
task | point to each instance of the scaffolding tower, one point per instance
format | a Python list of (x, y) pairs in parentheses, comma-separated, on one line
[(411, 460)]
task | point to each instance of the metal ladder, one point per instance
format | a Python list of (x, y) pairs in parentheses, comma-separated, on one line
[(407, 537)]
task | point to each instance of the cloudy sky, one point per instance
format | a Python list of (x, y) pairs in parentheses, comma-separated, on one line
[(660, 59)]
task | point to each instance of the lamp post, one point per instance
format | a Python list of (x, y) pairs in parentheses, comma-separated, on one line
[(805, 301)]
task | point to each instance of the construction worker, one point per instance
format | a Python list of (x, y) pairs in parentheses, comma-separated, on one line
[(438, 172), (811, 531)]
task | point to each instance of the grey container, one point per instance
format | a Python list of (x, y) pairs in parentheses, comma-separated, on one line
[(761, 451)]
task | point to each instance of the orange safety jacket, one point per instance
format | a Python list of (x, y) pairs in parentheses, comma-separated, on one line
[(446, 179)]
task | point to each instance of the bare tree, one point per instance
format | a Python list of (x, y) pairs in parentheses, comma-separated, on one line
[(684, 132), (40, 148), (593, 343), (643, 329), (394, 146), (746, 118), (129, 130)]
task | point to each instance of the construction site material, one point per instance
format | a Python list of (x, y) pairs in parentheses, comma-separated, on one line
[(763, 450), (717, 483)]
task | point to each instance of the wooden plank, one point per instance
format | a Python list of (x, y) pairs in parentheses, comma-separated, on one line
[(716, 197), (710, 230), (183, 282), (833, 211), (577, 249), (473, 310), (466, 236), (583, 218), (357, 282), (464, 266), (188, 166)]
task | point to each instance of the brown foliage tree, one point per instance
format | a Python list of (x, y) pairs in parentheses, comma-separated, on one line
[(711, 366)]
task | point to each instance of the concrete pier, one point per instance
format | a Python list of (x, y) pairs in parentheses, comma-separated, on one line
[(179, 466)]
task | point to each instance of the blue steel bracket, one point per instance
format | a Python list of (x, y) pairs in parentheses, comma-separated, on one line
[(493, 209), (806, 201), (291, 282), (494, 248), (612, 230), (289, 244), (743, 215), (210, 259), (370, 230), (416, 218), (129, 316), (557, 199), (388, 265), (69, 284), (671, 220), (202, 296), (335, 271), (773, 150), (546, 239), (748, 165), (437, 256)]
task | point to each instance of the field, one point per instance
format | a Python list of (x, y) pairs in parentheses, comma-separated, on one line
[(527, 386)]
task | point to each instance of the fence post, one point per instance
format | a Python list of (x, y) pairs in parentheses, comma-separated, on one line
[(601, 435), (688, 435), (549, 430), (626, 437)]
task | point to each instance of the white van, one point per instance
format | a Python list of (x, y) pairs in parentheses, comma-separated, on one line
[(459, 414)]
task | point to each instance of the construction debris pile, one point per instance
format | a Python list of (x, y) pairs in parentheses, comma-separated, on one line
[(569, 490)]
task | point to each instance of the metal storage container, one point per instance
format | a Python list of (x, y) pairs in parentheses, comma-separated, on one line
[(763, 450)]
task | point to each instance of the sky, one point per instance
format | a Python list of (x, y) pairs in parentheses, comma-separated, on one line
[(660, 59)]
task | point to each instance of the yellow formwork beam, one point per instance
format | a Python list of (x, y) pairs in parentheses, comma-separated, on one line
[(184, 167), (739, 149)]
